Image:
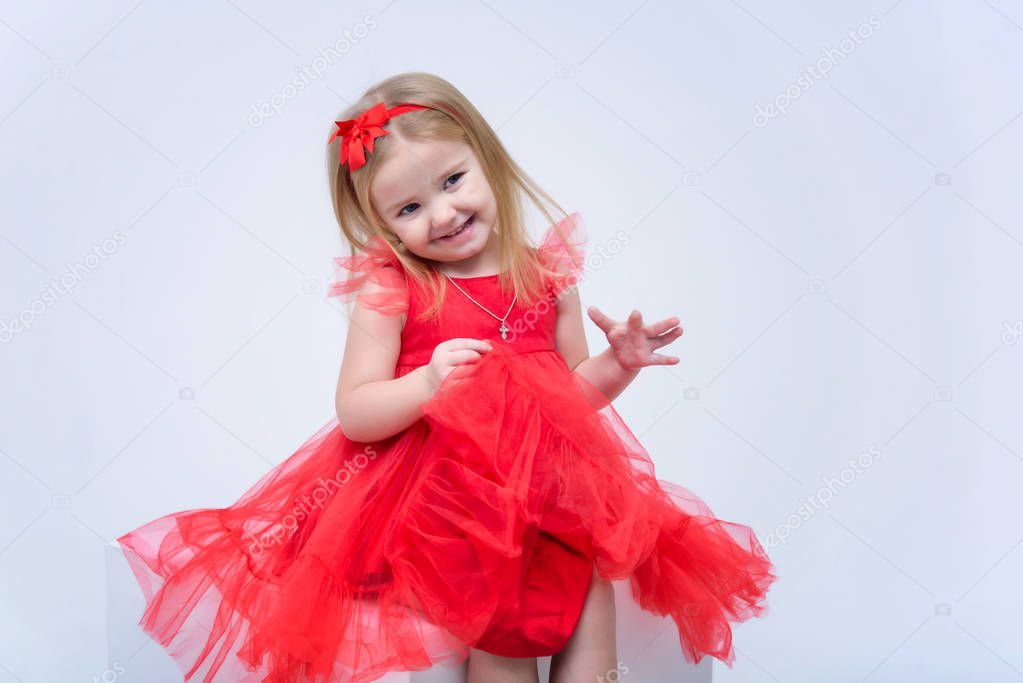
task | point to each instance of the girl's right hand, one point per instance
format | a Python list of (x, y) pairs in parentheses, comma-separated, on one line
[(451, 353)]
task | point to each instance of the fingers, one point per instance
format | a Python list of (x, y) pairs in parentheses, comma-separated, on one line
[(602, 321), (605, 323), (663, 331), (654, 329), (470, 343), (464, 350), (666, 338), (658, 359), (464, 356), (636, 320)]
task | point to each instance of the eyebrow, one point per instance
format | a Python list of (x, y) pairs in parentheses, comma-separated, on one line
[(446, 174)]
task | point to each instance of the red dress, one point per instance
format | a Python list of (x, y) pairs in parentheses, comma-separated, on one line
[(479, 525)]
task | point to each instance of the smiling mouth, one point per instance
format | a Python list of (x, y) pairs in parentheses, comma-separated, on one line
[(460, 228)]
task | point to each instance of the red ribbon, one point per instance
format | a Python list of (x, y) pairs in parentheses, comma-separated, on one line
[(357, 134)]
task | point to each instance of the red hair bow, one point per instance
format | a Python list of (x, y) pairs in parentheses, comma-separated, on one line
[(357, 134)]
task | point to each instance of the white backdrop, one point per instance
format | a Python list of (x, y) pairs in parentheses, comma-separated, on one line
[(826, 194)]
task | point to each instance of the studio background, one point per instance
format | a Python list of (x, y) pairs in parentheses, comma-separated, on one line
[(843, 251)]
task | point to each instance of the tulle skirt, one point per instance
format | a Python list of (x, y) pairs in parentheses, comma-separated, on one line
[(481, 526)]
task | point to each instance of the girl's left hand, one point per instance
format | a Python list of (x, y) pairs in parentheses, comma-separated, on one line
[(633, 342)]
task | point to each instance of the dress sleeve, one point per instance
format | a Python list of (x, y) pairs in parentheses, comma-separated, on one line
[(554, 251), (375, 278)]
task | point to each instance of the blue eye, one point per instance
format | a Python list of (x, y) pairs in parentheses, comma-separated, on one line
[(456, 175)]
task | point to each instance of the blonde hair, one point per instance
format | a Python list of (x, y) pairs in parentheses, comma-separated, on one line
[(451, 117)]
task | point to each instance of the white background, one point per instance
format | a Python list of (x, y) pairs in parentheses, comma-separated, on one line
[(848, 277)]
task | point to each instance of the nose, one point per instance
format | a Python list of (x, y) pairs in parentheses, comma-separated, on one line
[(444, 215)]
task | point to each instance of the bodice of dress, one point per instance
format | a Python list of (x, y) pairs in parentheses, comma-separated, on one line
[(529, 328)]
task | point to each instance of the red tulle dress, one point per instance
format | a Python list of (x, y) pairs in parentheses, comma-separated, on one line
[(480, 525)]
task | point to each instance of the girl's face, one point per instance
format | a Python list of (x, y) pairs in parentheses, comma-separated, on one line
[(428, 189)]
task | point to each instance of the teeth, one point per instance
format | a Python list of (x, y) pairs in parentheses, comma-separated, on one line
[(459, 229)]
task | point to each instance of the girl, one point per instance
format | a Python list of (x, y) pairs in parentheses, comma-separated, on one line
[(476, 493)]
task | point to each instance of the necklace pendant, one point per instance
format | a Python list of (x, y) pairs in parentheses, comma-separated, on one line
[(504, 330)]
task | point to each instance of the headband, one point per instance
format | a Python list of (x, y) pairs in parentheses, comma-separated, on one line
[(357, 134)]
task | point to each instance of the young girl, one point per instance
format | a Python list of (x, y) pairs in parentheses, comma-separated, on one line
[(476, 493)]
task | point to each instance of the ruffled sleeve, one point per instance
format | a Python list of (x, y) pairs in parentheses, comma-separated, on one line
[(375, 278), (554, 253)]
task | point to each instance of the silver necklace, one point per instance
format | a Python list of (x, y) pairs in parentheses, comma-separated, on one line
[(504, 328)]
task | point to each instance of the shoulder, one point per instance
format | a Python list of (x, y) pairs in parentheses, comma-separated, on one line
[(374, 277), (562, 250)]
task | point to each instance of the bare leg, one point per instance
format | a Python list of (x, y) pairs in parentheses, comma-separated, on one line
[(591, 654), (487, 668)]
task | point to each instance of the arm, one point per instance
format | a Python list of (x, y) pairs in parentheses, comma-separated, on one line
[(371, 403), (602, 371), (631, 345)]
